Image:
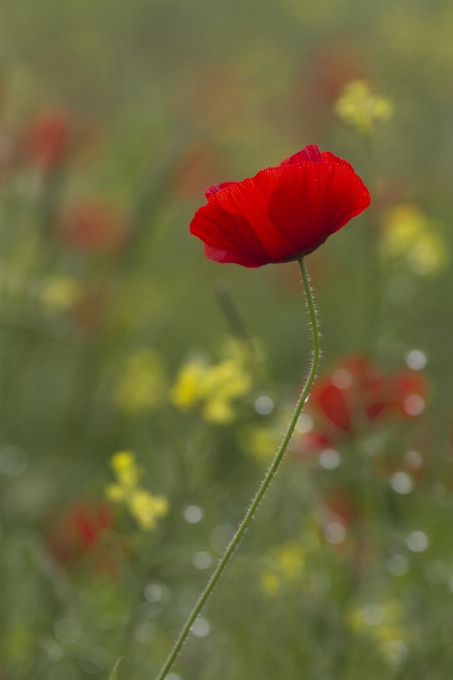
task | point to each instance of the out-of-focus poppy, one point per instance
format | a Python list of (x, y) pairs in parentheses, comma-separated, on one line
[(340, 506), (196, 169), (308, 443), (281, 214), (331, 67), (47, 139), (80, 532), (355, 394), (91, 225)]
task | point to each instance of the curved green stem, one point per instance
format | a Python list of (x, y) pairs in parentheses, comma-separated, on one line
[(261, 491)]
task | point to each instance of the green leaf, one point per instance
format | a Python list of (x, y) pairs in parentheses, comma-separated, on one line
[(114, 672)]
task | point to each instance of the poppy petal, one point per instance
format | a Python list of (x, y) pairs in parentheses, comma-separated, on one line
[(227, 232), (281, 213), (313, 200), (209, 191), (226, 256), (310, 153)]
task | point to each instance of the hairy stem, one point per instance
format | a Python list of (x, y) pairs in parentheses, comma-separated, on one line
[(261, 491)]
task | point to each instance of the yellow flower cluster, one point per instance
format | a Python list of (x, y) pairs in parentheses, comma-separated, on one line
[(141, 385), (143, 506), (213, 389), (60, 293), (289, 565), (260, 442), (361, 109), (410, 234), (382, 622)]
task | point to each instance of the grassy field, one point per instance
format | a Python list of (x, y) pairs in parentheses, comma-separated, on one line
[(145, 389)]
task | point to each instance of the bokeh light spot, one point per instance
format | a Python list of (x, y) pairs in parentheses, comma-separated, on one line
[(153, 592), (414, 404), (221, 536), (304, 424), (202, 560), (342, 378), (264, 405), (201, 627), (417, 541), (193, 514), (416, 360), (329, 459), (397, 565), (413, 459), (335, 533), (401, 483)]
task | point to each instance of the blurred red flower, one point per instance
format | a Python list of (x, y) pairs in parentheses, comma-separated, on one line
[(198, 166), (282, 213), (340, 506), (91, 225), (356, 393), (47, 139), (81, 532)]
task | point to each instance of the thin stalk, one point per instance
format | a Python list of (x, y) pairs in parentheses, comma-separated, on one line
[(261, 491)]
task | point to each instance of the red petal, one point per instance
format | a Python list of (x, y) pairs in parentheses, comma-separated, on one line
[(329, 157), (228, 233), (313, 200), (235, 220), (330, 400), (281, 213), (309, 153), (209, 191), (226, 256)]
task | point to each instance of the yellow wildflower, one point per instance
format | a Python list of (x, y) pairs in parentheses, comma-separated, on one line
[(212, 388), (411, 234), (218, 411), (382, 622), (428, 254), (142, 384), (143, 506), (125, 469), (146, 509), (270, 583), (361, 109), (190, 387), (403, 225), (260, 442), (226, 381), (60, 293), (289, 560)]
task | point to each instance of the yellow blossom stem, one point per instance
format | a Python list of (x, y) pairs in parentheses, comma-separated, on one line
[(262, 489)]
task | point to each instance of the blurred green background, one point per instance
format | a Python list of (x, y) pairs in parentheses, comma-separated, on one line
[(118, 335)]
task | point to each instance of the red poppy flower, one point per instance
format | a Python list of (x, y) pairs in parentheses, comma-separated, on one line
[(356, 393), (91, 225), (47, 139), (281, 214), (80, 531)]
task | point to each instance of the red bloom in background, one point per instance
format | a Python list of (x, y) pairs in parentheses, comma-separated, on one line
[(195, 169), (340, 506), (91, 225), (282, 213), (80, 532), (356, 393), (47, 139)]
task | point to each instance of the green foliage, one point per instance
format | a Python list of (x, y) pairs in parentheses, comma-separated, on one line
[(118, 336)]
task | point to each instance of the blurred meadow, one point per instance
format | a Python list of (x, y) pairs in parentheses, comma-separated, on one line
[(144, 388)]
